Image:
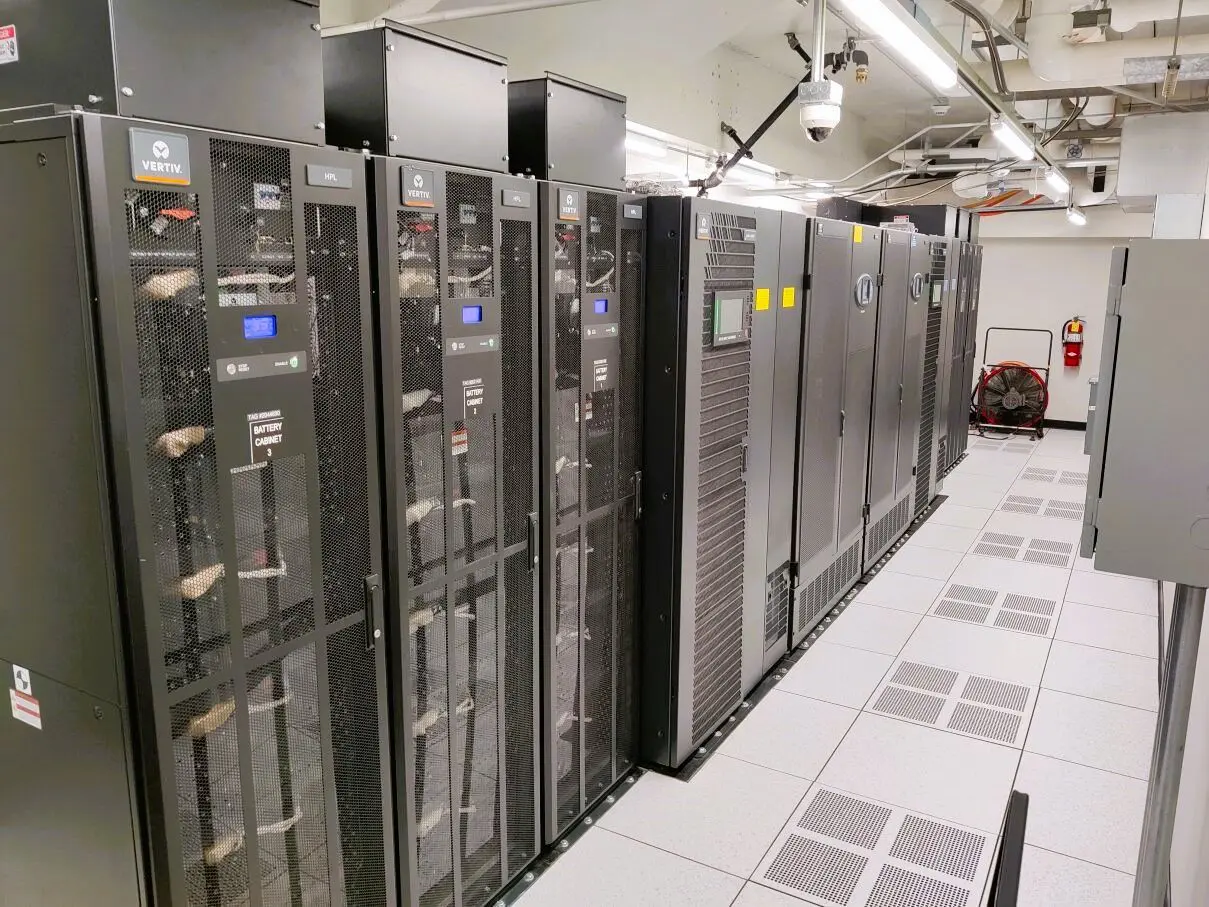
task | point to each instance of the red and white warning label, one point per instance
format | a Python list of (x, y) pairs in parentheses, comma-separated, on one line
[(460, 442), (26, 709), (8, 44)]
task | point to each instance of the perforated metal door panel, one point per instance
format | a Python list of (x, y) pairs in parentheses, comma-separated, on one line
[(888, 373), (858, 389), (822, 396), (911, 413)]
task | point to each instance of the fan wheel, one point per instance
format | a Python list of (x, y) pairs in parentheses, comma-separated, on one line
[(1012, 395)]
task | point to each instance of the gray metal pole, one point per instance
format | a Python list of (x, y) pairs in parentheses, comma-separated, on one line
[(1171, 733), (818, 40)]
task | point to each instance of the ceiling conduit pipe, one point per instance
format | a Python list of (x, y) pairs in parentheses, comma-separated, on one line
[(984, 22), (1055, 63)]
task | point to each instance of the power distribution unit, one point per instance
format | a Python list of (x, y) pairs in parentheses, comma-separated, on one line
[(250, 66), (592, 246), (898, 372), (711, 333), (836, 412), (191, 436), (566, 131), (968, 292), (457, 322), (931, 405), (1146, 511), (396, 90)]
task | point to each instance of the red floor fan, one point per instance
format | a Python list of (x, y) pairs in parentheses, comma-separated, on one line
[(1012, 397)]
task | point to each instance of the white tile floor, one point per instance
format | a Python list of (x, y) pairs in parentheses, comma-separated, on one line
[(909, 722)]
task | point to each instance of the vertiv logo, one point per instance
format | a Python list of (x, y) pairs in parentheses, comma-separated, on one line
[(159, 157)]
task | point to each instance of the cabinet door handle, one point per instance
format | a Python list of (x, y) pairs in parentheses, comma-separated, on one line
[(373, 594)]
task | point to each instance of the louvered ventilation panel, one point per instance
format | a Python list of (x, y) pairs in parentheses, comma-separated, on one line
[(927, 418), (817, 599), (776, 608), (887, 530), (722, 487)]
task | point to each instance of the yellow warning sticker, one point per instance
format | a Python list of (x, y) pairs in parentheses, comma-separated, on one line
[(788, 297), (858, 233), (763, 297)]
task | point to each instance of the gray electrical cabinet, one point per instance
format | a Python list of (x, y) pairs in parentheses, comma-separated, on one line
[(787, 297), (193, 633), (1147, 512), (710, 342), (591, 248), (949, 250), (927, 472), (894, 437), (835, 416)]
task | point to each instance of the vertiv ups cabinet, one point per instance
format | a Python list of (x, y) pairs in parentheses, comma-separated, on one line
[(592, 247), (836, 409), (894, 437), (927, 473), (710, 350), (457, 324), (191, 630)]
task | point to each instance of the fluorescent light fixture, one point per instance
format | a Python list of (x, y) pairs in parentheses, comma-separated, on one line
[(645, 146), (1010, 136), (819, 184), (818, 195), (1057, 181), (756, 177), (891, 22), (1076, 216)]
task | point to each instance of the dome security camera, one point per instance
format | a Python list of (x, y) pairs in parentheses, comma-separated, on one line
[(819, 108)]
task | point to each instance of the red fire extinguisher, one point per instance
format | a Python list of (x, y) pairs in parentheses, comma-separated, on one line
[(1072, 343)]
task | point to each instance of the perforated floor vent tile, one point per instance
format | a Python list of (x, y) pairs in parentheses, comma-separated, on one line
[(897, 887), (922, 707), (980, 721), (846, 851), (847, 819), (1042, 476), (1022, 503), (1072, 478), (970, 705), (1064, 510), (925, 677), (817, 869), (934, 845), (1021, 548), (1036, 474), (1011, 611)]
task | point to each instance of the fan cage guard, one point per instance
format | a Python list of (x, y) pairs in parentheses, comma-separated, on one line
[(988, 420)]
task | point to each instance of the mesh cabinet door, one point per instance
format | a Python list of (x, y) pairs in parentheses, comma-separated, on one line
[(591, 251), (457, 326), (244, 311)]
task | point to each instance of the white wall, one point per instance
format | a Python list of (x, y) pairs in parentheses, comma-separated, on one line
[(1038, 270), (1040, 283)]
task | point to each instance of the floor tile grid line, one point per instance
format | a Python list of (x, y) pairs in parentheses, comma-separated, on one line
[(1110, 607), (1096, 699), (1081, 860), (679, 856), (1094, 768), (806, 646)]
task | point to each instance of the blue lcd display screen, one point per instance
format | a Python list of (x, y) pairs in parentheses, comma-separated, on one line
[(259, 327), (602, 306), (472, 314)]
